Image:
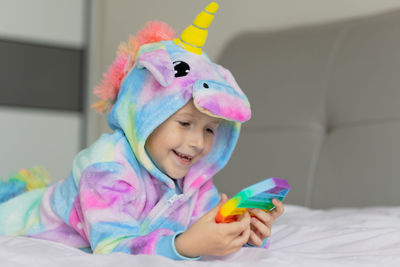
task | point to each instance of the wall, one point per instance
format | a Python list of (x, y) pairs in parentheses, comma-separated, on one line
[(42, 54), (52, 22), (117, 19)]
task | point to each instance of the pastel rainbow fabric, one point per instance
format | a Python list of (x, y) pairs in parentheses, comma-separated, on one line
[(115, 199)]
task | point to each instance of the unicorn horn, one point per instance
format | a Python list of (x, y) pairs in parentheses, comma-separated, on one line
[(194, 37)]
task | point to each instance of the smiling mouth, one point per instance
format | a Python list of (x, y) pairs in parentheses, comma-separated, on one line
[(186, 159)]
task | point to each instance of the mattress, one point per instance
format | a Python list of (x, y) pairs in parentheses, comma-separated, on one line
[(301, 237)]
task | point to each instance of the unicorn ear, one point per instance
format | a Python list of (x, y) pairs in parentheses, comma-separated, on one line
[(159, 64)]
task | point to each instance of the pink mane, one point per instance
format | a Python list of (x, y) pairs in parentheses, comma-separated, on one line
[(107, 91)]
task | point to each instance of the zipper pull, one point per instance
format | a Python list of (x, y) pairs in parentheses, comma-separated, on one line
[(174, 198)]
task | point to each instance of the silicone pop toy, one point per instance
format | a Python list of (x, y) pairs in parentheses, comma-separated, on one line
[(259, 196)]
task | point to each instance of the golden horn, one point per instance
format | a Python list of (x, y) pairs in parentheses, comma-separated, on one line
[(194, 37)]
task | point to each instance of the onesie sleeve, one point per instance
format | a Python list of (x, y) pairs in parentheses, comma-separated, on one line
[(207, 199), (110, 214)]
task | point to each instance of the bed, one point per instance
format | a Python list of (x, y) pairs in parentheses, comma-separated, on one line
[(301, 237)]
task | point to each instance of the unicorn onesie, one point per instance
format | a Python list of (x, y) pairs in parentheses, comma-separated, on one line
[(116, 199)]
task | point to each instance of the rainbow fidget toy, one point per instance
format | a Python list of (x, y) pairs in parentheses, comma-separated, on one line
[(258, 195)]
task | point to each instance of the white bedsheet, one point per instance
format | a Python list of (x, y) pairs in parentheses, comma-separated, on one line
[(301, 237)]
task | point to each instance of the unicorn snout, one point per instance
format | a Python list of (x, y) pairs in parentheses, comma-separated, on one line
[(221, 100)]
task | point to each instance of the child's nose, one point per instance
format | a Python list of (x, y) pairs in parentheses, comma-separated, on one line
[(197, 140)]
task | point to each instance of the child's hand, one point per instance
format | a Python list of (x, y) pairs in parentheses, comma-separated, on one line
[(206, 237), (262, 223)]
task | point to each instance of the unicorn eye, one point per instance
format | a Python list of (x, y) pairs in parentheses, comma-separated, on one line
[(181, 68)]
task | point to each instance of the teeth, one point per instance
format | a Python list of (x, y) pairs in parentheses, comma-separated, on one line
[(183, 156)]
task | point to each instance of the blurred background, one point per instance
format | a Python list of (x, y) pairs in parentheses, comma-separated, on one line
[(320, 75)]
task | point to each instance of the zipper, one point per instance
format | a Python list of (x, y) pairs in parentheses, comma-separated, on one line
[(170, 201)]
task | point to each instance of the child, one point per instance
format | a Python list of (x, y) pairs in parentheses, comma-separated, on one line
[(147, 187)]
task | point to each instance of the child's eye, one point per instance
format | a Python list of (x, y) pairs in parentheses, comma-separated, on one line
[(184, 123), (209, 130)]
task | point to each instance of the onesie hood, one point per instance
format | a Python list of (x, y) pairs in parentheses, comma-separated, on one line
[(164, 77)]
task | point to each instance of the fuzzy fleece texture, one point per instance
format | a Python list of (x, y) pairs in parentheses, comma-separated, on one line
[(115, 199)]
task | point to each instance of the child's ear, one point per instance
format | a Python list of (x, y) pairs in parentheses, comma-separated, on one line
[(228, 77), (159, 64)]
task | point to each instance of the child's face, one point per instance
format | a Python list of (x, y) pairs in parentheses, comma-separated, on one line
[(181, 140)]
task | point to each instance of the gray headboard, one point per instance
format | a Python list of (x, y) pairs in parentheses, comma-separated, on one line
[(326, 111)]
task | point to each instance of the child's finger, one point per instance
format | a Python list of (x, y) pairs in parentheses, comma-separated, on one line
[(279, 209), (255, 239), (222, 200), (263, 216), (262, 229), (234, 228), (245, 236), (241, 239)]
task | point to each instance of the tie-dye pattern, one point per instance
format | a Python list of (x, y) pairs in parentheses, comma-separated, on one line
[(115, 199)]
